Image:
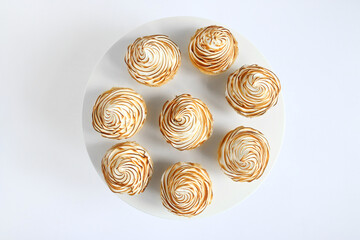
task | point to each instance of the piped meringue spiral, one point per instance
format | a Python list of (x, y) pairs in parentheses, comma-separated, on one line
[(213, 49), (243, 154), (185, 122), (186, 189), (153, 60), (119, 113), (127, 168), (252, 90)]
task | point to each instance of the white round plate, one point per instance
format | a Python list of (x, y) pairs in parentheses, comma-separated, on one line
[(111, 71)]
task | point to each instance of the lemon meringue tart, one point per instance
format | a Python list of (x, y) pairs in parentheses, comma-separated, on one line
[(186, 189), (185, 122), (252, 90), (243, 154), (153, 60), (127, 168), (213, 49), (119, 113)]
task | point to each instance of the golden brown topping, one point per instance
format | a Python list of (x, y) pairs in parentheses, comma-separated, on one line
[(185, 122), (153, 60), (127, 168), (186, 189), (243, 154), (213, 49), (119, 113), (252, 90)]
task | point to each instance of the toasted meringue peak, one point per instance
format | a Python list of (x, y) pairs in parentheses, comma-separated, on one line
[(252, 90), (185, 122), (119, 113), (153, 60), (213, 49), (127, 168), (243, 154), (186, 189)]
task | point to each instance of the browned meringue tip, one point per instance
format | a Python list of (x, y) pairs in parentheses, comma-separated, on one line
[(153, 60), (186, 189), (127, 168), (213, 49), (243, 154), (252, 90), (119, 113), (185, 122)]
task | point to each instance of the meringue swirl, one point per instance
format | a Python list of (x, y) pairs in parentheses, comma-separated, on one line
[(127, 168), (213, 49), (186, 189), (243, 154), (185, 122), (153, 60), (119, 113), (252, 90)]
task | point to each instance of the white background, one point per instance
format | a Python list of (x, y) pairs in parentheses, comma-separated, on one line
[(48, 186)]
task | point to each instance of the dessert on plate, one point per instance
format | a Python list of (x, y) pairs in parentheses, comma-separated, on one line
[(153, 60), (119, 113), (127, 168), (185, 122), (252, 90), (186, 189), (243, 154), (213, 49)]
